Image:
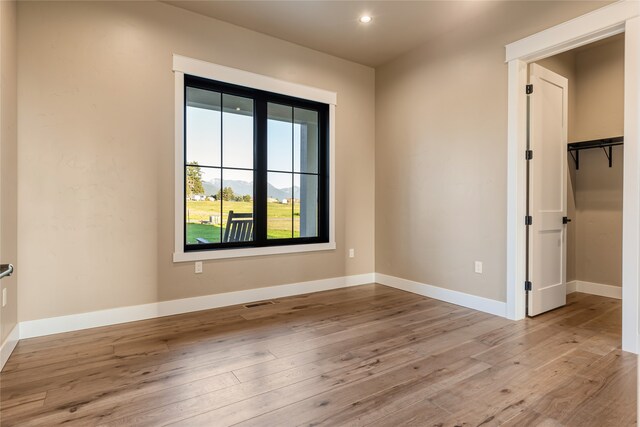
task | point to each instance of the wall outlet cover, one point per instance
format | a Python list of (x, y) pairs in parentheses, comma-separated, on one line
[(478, 267)]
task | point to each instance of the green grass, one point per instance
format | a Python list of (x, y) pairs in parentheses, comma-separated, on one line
[(212, 233), (281, 234), (278, 224), (206, 231)]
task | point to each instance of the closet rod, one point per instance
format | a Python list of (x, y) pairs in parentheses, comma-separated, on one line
[(604, 143)]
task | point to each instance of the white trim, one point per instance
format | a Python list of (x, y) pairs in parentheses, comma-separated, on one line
[(115, 316), (9, 345), (196, 67), (332, 175), (486, 305), (631, 188), (585, 29), (604, 22), (74, 322), (183, 65), (516, 179), (181, 256), (608, 291), (178, 165)]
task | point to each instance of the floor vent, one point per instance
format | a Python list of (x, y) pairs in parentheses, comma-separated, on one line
[(258, 304)]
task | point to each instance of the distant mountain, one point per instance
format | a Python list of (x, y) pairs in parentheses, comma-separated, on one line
[(210, 188), (243, 187), (282, 193)]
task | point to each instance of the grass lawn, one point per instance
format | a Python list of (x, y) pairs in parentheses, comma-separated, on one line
[(206, 231), (279, 223)]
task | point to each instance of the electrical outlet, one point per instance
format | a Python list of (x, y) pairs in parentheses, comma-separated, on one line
[(352, 253), (478, 267), (4, 297), (198, 267)]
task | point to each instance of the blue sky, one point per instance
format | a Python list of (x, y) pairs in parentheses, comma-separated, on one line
[(203, 145)]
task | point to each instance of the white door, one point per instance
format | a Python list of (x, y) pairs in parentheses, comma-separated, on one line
[(547, 191)]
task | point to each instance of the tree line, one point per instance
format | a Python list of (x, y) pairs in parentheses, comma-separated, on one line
[(195, 187)]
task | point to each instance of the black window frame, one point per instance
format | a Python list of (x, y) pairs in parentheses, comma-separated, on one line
[(261, 99)]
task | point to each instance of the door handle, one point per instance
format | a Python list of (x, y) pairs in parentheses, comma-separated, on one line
[(6, 270), (566, 220)]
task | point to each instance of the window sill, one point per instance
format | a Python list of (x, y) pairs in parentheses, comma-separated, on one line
[(249, 252)]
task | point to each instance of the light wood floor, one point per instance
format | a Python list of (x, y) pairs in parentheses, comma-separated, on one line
[(368, 355)]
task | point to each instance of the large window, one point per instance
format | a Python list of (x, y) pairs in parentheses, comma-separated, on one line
[(256, 168)]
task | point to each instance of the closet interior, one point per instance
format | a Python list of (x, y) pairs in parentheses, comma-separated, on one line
[(595, 164)]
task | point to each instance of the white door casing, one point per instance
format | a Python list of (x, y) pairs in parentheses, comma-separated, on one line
[(547, 190), (615, 18)]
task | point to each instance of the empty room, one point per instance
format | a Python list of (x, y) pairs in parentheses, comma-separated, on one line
[(338, 213)]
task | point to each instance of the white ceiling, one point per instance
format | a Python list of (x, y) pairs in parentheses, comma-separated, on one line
[(332, 26)]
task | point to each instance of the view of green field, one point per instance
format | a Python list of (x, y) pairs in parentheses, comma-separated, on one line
[(279, 223)]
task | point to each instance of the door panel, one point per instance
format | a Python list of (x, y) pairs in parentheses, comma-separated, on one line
[(547, 190)]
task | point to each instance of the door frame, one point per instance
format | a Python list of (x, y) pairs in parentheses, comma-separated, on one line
[(616, 18)]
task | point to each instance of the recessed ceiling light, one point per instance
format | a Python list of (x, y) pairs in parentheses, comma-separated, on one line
[(365, 19)]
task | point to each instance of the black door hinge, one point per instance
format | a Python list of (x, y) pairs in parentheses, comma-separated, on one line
[(528, 220), (529, 89), (528, 155), (527, 285)]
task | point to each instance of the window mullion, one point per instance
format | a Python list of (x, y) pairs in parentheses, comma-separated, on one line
[(260, 174), (323, 174)]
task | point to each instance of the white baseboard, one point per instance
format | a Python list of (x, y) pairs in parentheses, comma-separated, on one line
[(74, 322), (8, 345), (596, 289), (486, 305)]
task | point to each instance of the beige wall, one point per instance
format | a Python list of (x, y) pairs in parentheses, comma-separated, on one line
[(96, 155), (600, 114), (600, 81), (441, 147), (599, 218), (8, 163)]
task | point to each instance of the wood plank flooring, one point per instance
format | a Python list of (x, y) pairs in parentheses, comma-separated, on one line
[(368, 355)]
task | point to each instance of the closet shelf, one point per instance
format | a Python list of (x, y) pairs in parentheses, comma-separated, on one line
[(606, 144)]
